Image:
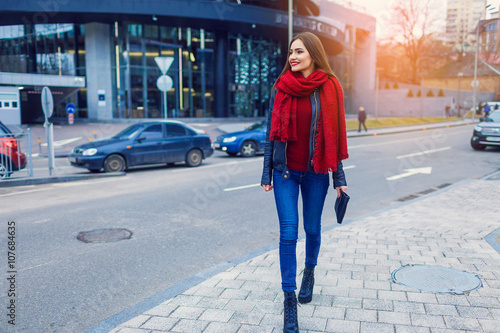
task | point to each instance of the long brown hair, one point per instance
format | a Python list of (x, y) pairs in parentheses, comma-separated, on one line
[(316, 51)]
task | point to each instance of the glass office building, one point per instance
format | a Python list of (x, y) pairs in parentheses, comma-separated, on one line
[(224, 55)]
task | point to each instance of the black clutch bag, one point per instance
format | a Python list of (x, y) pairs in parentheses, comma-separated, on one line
[(341, 206)]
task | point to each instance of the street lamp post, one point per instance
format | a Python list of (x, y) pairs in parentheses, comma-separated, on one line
[(377, 83), (421, 96), (460, 75), (376, 95), (475, 82)]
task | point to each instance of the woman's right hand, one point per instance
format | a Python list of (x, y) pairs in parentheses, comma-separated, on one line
[(267, 187)]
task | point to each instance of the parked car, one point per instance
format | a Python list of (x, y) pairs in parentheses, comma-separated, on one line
[(247, 142), (11, 157), (487, 132), (144, 143)]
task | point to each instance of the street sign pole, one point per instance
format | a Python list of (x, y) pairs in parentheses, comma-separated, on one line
[(165, 109), (164, 82), (70, 109), (48, 109), (49, 132)]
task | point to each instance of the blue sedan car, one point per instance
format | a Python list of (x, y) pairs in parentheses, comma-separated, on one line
[(144, 143), (247, 142)]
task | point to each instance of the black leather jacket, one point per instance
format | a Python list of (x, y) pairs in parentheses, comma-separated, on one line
[(275, 151)]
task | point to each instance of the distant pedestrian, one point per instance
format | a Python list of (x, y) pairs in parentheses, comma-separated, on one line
[(447, 110), (362, 118), (306, 138), (486, 110)]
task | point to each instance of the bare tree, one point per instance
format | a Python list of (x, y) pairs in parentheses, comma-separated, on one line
[(413, 23)]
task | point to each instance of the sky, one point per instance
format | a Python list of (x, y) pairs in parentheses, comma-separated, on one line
[(380, 9)]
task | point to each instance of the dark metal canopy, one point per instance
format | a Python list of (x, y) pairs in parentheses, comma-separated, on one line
[(307, 7)]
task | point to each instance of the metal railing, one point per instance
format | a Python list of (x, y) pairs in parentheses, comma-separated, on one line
[(15, 155)]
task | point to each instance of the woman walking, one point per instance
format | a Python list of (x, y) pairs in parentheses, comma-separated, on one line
[(306, 138)]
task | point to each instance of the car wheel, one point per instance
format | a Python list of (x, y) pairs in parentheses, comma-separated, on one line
[(4, 171), (231, 154), (194, 158), (248, 149), (114, 163), (477, 146)]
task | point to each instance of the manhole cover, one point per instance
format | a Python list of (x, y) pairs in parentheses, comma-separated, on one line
[(436, 279), (104, 235)]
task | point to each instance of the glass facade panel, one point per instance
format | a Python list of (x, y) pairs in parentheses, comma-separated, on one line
[(254, 66), (55, 49), (41, 49), (137, 95)]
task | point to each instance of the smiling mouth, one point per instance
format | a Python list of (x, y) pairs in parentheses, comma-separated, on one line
[(294, 63)]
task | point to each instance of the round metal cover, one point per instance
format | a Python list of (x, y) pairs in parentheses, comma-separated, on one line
[(104, 235), (436, 279)]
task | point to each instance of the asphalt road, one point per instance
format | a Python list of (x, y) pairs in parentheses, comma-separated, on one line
[(185, 220)]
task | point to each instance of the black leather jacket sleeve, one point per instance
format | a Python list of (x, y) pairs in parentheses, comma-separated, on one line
[(339, 176)]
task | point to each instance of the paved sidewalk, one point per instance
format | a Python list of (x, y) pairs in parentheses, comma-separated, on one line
[(353, 292)]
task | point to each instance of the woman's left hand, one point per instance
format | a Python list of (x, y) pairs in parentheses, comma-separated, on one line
[(343, 188)]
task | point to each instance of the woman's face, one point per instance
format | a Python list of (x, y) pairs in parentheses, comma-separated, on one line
[(299, 58)]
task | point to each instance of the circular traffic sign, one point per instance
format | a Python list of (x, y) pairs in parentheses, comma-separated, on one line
[(70, 108), (47, 102), (164, 83)]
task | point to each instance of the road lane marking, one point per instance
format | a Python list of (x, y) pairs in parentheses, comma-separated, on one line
[(60, 143), (56, 168), (430, 151), (205, 166), (381, 143), (41, 221), (91, 181), (23, 192), (240, 187), (257, 185), (411, 172)]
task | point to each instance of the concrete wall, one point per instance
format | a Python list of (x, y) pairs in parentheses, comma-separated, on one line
[(99, 71), (395, 102), (486, 83)]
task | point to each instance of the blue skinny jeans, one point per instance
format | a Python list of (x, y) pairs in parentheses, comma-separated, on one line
[(313, 188)]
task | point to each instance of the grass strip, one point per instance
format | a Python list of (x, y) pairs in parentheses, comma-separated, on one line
[(352, 124)]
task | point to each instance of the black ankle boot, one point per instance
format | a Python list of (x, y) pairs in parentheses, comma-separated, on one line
[(290, 322), (306, 289)]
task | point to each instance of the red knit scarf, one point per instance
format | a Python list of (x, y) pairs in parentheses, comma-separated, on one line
[(331, 137)]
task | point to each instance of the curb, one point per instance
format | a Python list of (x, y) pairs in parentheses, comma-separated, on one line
[(228, 128), (56, 179), (402, 129)]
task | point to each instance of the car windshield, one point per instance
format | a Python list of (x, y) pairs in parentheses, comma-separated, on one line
[(5, 131), (494, 117), (129, 132), (257, 126)]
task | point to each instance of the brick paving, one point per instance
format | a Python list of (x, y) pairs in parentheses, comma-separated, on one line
[(353, 292)]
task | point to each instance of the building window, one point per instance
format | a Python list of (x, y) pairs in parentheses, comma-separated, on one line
[(136, 71), (255, 64)]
